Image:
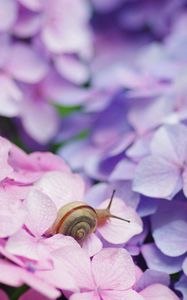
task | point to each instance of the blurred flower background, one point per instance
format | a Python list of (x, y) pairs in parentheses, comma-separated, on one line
[(98, 88)]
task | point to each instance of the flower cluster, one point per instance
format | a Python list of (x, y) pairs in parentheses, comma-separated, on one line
[(43, 58), (103, 84), (33, 188)]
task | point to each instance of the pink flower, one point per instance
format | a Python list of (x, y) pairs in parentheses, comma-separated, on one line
[(41, 213), (110, 274)]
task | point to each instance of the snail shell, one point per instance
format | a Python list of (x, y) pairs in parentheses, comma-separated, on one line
[(76, 219)]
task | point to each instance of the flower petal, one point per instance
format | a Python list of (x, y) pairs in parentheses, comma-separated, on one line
[(173, 139), (92, 245), (85, 296), (169, 226), (8, 14), (156, 177), (61, 187), (79, 269), (113, 269), (41, 212), (119, 295), (158, 292), (25, 64), (23, 244), (156, 260), (118, 231)]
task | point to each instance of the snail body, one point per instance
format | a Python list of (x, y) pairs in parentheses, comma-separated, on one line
[(79, 220)]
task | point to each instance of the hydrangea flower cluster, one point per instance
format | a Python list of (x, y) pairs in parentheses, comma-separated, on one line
[(33, 188), (43, 58), (102, 85)]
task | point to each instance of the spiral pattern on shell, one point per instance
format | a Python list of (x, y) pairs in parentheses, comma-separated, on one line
[(76, 219)]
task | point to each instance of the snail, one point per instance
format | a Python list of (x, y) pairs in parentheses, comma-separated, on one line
[(78, 219)]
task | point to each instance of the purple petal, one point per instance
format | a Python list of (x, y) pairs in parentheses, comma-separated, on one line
[(151, 277), (41, 127), (156, 260), (169, 225), (28, 24), (72, 69), (8, 14), (181, 286), (156, 177), (35, 5), (25, 64), (173, 139)]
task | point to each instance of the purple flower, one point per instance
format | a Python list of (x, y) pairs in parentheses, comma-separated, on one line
[(163, 173)]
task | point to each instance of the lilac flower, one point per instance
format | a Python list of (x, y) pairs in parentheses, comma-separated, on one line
[(169, 227), (162, 174)]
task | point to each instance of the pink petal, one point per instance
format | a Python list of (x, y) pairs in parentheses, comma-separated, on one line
[(9, 274), (119, 295), (15, 276), (85, 296), (113, 269), (58, 241), (41, 127), (59, 277), (8, 223), (32, 294), (10, 97), (25, 64), (92, 245), (156, 177), (47, 161), (118, 231), (79, 269), (41, 212), (5, 168), (8, 14), (42, 286), (62, 32), (61, 187), (23, 244), (11, 257), (158, 292)]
